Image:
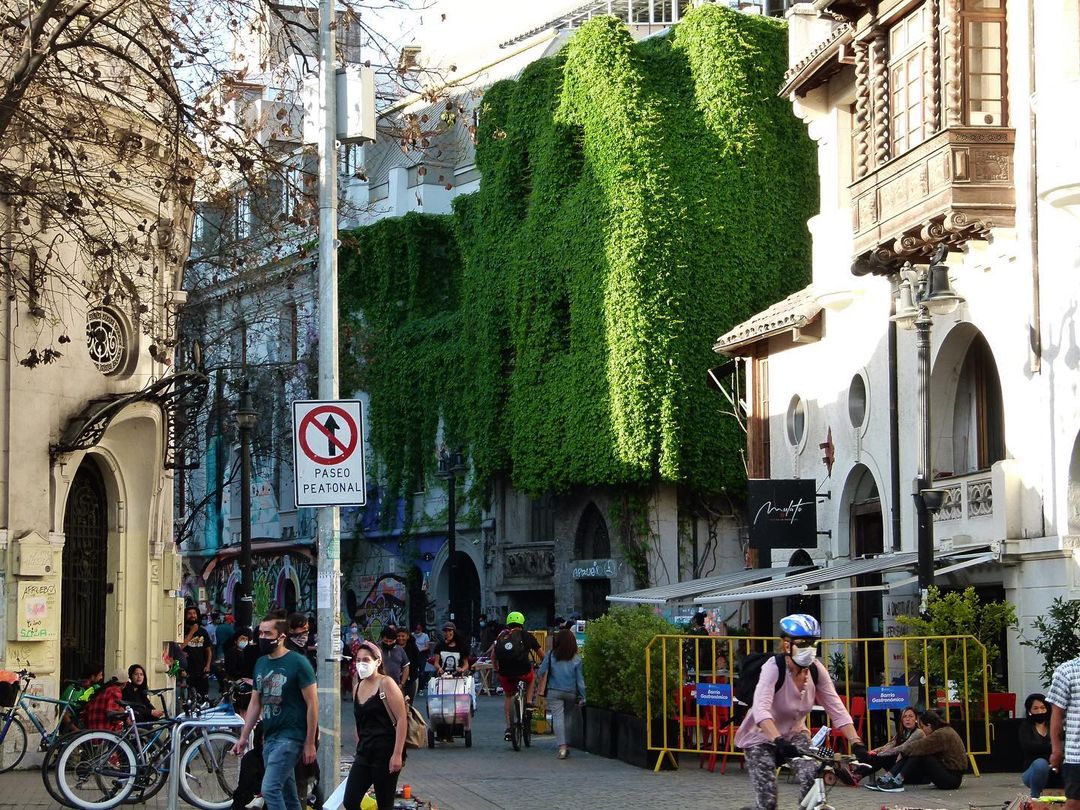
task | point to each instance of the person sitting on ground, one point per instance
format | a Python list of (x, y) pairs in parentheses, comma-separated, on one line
[(513, 662), (105, 702), (775, 728), (939, 758), (885, 757), (1035, 747), (135, 692)]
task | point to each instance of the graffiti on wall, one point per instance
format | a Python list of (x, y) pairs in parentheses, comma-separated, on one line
[(381, 601), (281, 581)]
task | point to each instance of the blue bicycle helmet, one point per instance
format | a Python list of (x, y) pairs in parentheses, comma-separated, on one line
[(800, 625)]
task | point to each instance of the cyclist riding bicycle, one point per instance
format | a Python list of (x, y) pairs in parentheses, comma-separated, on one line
[(775, 728), (513, 662)]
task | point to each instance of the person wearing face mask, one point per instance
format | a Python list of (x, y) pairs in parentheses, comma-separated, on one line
[(775, 727), (381, 725), (240, 656), (285, 702), (395, 661), (1035, 747), (300, 639)]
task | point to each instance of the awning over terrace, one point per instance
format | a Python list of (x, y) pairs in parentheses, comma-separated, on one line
[(803, 583), (686, 591)]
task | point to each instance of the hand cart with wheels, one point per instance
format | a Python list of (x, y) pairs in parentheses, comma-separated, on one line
[(449, 708)]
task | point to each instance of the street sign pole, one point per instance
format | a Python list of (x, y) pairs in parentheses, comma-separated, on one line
[(328, 591)]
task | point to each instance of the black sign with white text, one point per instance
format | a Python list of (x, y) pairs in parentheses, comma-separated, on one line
[(783, 513)]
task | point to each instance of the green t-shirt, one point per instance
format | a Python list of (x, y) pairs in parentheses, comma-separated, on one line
[(278, 682)]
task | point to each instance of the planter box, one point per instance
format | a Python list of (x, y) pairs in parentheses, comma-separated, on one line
[(1005, 755), (631, 745), (600, 732)]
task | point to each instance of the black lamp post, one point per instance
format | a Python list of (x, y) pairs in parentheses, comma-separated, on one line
[(451, 467), (931, 294), (246, 419)]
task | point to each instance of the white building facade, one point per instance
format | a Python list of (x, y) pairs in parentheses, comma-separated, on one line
[(938, 126)]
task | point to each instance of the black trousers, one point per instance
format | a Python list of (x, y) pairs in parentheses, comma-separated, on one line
[(920, 770), (364, 775)]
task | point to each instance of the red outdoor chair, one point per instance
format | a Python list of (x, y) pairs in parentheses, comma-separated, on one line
[(857, 710), (1001, 702)]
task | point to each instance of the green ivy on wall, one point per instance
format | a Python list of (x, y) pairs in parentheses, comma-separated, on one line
[(636, 201)]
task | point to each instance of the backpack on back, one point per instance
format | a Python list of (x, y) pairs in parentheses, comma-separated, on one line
[(510, 647), (750, 674)]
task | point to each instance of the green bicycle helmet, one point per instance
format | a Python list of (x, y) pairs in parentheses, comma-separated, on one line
[(514, 617)]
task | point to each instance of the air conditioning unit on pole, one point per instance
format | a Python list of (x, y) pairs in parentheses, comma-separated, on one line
[(355, 105)]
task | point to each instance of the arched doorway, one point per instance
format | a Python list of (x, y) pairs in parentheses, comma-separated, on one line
[(592, 542), (466, 595), (417, 596), (801, 603), (83, 582), (866, 532)]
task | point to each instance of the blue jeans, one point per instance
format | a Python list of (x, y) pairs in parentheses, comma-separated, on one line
[(280, 756), (1036, 777)]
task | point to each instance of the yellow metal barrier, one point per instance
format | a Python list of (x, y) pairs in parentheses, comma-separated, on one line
[(944, 673)]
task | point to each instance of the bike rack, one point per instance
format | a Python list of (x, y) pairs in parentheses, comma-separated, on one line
[(208, 719)]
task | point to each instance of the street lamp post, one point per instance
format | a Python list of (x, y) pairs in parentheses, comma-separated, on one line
[(246, 419), (932, 294), (451, 467)]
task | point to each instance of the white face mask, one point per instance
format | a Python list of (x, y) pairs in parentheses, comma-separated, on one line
[(365, 669), (804, 656)]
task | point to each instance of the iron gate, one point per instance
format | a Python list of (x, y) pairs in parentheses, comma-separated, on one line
[(83, 583)]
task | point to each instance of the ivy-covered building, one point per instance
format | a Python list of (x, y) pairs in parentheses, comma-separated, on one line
[(558, 326)]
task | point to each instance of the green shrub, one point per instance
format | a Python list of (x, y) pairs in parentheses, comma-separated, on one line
[(614, 660), (1055, 636)]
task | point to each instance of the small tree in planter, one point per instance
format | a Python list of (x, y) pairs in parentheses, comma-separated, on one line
[(1055, 637), (615, 675)]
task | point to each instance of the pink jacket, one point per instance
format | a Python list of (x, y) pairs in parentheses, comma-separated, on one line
[(789, 707)]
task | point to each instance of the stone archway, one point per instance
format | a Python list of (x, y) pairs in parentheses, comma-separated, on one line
[(592, 542), (83, 590)]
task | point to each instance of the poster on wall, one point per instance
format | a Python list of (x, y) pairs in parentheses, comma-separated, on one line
[(783, 512), (38, 603)]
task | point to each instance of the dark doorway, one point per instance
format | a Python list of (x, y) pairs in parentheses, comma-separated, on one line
[(467, 596), (83, 585), (417, 596), (802, 604), (868, 538), (592, 542), (288, 595)]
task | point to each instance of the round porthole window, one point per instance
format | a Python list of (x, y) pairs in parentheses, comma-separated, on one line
[(796, 421), (856, 401), (106, 341)]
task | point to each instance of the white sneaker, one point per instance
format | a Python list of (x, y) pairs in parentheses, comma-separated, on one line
[(258, 803)]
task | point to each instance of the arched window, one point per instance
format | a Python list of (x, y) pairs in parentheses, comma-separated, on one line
[(978, 417)]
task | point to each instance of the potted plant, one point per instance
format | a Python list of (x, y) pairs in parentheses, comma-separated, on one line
[(615, 682), (962, 613), (1054, 636)]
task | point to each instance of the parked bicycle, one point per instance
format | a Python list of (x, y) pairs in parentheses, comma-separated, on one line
[(20, 704), (520, 719), (98, 770)]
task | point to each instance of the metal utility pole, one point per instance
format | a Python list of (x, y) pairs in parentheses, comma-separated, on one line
[(246, 417), (329, 519)]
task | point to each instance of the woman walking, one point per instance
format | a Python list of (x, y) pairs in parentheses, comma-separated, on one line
[(381, 724), (562, 681)]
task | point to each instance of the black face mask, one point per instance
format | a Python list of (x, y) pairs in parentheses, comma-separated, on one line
[(1039, 718), (268, 645)]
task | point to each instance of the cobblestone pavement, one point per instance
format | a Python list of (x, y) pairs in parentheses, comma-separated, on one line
[(491, 776)]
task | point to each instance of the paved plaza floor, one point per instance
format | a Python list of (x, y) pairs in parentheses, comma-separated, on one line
[(491, 776)]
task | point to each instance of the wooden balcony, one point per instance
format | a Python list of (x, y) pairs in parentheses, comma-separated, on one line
[(954, 187)]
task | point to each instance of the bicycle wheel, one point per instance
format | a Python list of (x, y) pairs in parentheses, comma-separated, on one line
[(526, 728), (209, 771), (48, 767), (153, 771), (96, 771), (515, 723), (13, 742)]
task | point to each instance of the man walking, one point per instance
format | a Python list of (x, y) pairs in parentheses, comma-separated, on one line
[(286, 700), (1064, 700)]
